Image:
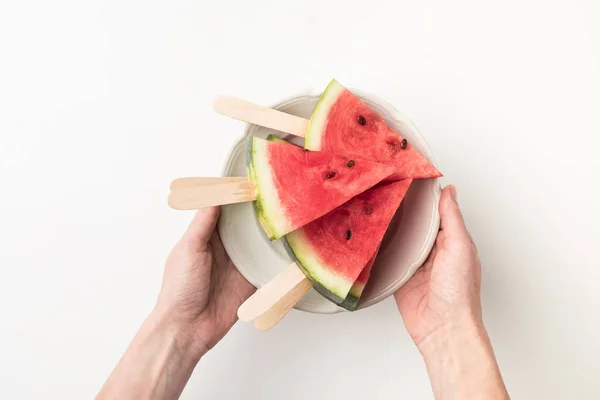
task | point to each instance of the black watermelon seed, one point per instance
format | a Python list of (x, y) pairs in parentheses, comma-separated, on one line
[(403, 144), (330, 175), (350, 164), (305, 150), (348, 234), (362, 120)]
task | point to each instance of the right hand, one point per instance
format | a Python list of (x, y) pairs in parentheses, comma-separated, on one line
[(444, 293), (441, 308)]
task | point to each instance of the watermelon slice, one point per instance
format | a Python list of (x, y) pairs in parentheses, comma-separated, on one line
[(294, 186), (334, 249), (343, 124)]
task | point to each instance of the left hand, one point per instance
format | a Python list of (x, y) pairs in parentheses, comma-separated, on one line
[(201, 289), (444, 294)]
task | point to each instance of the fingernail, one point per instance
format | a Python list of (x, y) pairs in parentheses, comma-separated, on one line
[(453, 192)]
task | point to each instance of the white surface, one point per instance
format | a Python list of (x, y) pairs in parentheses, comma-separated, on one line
[(103, 103)]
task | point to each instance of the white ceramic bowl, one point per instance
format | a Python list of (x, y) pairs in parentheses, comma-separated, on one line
[(405, 247)]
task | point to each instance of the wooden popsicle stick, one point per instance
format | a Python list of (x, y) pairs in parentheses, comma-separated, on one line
[(192, 182), (253, 113), (272, 316), (269, 295), (211, 192)]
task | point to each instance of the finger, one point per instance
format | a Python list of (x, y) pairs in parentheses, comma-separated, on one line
[(202, 226), (451, 218), (219, 253), (235, 287), (429, 261), (420, 276)]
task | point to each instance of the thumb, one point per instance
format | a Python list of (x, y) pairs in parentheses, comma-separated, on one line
[(201, 228), (451, 218)]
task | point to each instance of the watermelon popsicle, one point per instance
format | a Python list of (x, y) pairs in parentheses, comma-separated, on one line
[(343, 124), (294, 187), (288, 185), (326, 255), (334, 250)]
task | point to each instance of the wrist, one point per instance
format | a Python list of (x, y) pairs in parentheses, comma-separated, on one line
[(460, 362), (463, 332), (165, 323), (157, 363)]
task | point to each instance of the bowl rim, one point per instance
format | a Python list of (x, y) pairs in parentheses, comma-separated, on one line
[(434, 225)]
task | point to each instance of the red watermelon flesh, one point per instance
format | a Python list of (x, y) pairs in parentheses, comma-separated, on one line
[(351, 301), (344, 124), (334, 249), (294, 186)]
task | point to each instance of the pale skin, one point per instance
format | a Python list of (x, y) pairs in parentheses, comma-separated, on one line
[(441, 309), (202, 290)]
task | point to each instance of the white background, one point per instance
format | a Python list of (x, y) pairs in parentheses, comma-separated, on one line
[(102, 103)]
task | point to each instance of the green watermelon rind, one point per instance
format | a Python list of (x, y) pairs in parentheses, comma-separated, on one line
[(276, 139), (317, 285), (272, 221), (318, 118), (350, 302)]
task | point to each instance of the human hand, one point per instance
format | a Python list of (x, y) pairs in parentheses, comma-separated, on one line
[(197, 305), (202, 289), (441, 308), (444, 294)]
